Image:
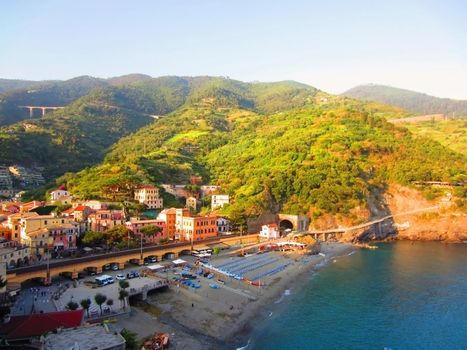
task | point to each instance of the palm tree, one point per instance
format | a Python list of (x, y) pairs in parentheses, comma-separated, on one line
[(86, 304), (110, 302), (123, 284), (100, 299), (122, 294)]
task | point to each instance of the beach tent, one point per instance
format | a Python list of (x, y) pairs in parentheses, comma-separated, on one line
[(179, 262), (155, 267)]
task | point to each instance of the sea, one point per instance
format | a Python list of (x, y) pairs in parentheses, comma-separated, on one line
[(403, 295)]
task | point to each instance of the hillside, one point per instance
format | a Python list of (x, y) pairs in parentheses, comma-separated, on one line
[(7, 85), (51, 93), (79, 135), (322, 155), (410, 100), (451, 133)]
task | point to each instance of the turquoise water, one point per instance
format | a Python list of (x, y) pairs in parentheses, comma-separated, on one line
[(402, 296)]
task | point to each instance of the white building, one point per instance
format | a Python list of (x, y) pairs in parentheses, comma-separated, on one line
[(219, 200), (270, 231), (149, 195), (223, 226), (58, 193)]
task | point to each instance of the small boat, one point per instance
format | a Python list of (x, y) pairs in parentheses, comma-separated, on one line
[(214, 286), (322, 254)]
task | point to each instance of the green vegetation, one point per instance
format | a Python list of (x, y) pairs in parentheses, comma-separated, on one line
[(131, 339), (451, 133), (279, 146), (320, 158), (410, 100)]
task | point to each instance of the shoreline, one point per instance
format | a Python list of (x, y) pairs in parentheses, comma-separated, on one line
[(241, 338)]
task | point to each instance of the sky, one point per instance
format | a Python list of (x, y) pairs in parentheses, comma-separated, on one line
[(330, 44)]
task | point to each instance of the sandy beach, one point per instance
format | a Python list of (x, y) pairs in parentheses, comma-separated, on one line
[(223, 318)]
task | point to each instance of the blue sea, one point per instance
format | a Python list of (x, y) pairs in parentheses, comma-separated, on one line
[(402, 295)]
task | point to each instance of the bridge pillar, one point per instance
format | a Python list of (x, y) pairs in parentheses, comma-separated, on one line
[(99, 269), (43, 111), (121, 266), (31, 112), (140, 262), (74, 275)]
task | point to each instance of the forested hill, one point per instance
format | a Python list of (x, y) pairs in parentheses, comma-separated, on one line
[(410, 100), (327, 154), (79, 135), (15, 93)]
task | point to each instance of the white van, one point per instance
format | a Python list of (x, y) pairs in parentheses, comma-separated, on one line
[(104, 280)]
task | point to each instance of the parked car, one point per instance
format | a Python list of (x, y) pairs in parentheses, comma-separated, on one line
[(152, 258), (120, 277), (132, 274), (106, 267), (114, 267)]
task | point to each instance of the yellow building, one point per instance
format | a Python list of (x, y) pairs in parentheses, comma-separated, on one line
[(149, 195)]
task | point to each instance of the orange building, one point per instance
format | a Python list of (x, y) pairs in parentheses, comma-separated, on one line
[(198, 227)]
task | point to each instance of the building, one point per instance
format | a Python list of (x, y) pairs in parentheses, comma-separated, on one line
[(180, 213), (191, 203), (219, 200), (13, 254), (270, 231), (13, 223), (81, 213), (196, 180), (223, 225), (149, 196), (58, 193), (48, 231), (93, 337), (32, 326), (176, 190), (195, 228), (104, 220), (169, 217), (207, 190), (94, 204), (135, 225)]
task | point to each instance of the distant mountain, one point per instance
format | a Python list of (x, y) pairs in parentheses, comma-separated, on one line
[(7, 85), (410, 100)]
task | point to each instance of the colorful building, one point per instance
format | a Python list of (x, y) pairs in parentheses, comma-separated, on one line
[(195, 228), (135, 225), (104, 220), (149, 196)]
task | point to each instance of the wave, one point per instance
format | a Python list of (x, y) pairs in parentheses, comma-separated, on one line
[(246, 346)]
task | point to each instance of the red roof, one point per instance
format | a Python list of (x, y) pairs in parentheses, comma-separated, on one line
[(272, 225), (147, 187), (81, 208), (34, 325)]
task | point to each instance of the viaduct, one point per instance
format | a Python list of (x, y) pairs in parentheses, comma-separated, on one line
[(72, 267)]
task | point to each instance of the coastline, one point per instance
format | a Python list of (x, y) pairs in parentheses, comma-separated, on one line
[(224, 318), (241, 338)]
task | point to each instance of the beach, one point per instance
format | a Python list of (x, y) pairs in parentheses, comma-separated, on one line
[(208, 318)]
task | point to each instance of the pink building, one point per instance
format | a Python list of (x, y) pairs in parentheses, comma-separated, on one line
[(104, 220), (64, 237), (135, 226)]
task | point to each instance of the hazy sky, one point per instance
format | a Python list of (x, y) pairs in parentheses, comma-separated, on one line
[(330, 44)]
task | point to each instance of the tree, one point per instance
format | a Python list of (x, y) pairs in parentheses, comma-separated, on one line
[(92, 238), (122, 294), (123, 284), (150, 230), (110, 302), (130, 337), (100, 299), (86, 304), (216, 250), (72, 305)]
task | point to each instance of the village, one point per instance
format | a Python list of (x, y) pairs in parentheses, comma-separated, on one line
[(34, 235)]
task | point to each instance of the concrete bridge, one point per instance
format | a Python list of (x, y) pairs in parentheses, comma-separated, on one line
[(43, 108), (72, 267)]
